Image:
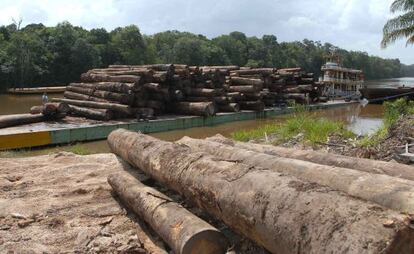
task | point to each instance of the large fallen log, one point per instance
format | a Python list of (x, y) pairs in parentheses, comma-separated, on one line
[(231, 107), (78, 96), (244, 89), (125, 110), (20, 119), (92, 113), (252, 105), (110, 96), (196, 108), (395, 193), (184, 232), (277, 211), (371, 166), (238, 81), (116, 87), (50, 109)]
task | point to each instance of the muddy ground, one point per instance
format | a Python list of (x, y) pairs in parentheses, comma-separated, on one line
[(62, 203)]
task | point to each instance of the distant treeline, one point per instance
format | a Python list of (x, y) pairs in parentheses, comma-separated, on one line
[(38, 55)]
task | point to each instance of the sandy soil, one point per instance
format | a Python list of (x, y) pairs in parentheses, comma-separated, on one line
[(62, 203)]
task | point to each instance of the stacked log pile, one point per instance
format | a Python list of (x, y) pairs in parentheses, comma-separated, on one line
[(284, 205), (129, 91)]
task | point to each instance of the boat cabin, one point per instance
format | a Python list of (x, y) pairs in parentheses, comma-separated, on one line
[(340, 82)]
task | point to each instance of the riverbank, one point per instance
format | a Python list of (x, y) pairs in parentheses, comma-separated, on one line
[(305, 131)]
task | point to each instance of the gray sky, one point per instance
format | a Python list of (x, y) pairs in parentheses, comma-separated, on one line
[(349, 24)]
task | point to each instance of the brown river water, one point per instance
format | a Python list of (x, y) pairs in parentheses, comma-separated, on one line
[(361, 120)]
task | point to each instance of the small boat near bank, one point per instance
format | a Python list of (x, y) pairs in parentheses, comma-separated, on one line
[(37, 90)]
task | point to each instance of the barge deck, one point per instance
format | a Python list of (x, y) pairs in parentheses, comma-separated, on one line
[(73, 129)]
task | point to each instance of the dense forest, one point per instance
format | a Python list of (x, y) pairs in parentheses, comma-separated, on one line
[(38, 55)]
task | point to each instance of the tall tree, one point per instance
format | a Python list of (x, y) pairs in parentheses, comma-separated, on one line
[(401, 26)]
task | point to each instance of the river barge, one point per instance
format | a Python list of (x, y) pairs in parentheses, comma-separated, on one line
[(71, 129), (381, 94)]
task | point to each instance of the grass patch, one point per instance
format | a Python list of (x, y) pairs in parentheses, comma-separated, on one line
[(393, 111), (314, 130), (78, 149)]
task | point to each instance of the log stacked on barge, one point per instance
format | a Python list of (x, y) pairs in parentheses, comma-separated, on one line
[(181, 89), (279, 206)]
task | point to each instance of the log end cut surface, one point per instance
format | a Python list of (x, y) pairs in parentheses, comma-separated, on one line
[(206, 242)]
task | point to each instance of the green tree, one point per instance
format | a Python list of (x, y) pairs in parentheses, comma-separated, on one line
[(401, 26), (130, 44), (83, 57)]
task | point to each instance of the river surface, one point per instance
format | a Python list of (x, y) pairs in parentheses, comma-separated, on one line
[(361, 120)]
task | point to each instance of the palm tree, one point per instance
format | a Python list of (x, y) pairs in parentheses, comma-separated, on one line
[(401, 26)]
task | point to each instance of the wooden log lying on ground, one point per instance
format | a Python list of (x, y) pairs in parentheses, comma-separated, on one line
[(92, 113), (119, 108), (184, 232), (238, 81), (20, 119), (231, 107), (196, 108), (78, 96), (252, 105), (263, 71), (371, 166), (117, 87), (277, 211), (50, 109), (106, 78), (395, 193), (110, 96), (243, 89)]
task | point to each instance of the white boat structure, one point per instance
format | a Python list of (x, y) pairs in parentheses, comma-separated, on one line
[(340, 82)]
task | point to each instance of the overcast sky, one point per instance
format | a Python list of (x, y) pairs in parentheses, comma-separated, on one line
[(350, 24)]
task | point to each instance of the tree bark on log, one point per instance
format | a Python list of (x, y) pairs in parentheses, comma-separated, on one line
[(106, 78), (238, 81), (279, 212), (50, 109), (231, 107), (252, 105), (205, 92), (20, 119), (116, 87), (371, 166), (92, 113), (78, 96), (243, 89), (111, 96), (262, 71), (184, 232), (395, 193), (196, 108), (118, 108)]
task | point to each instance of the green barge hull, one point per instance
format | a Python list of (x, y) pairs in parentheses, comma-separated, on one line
[(73, 130)]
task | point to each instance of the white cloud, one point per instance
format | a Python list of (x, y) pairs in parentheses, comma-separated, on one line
[(351, 24)]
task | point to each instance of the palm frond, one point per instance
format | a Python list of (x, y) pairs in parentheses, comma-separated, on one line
[(402, 5), (393, 35)]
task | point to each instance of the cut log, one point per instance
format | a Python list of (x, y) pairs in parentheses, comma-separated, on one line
[(78, 96), (184, 232), (262, 71), (205, 92), (196, 108), (366, 165), (110, 96), (252, 105), (50, 109), (395, 193), (277, 211), (20, 119), (238, 81), (92, 113), (243, 89), (106, 78), (231, 107), (118, 108), (116, 87)]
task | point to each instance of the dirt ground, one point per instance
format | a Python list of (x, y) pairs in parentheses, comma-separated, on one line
[(62, 203)]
